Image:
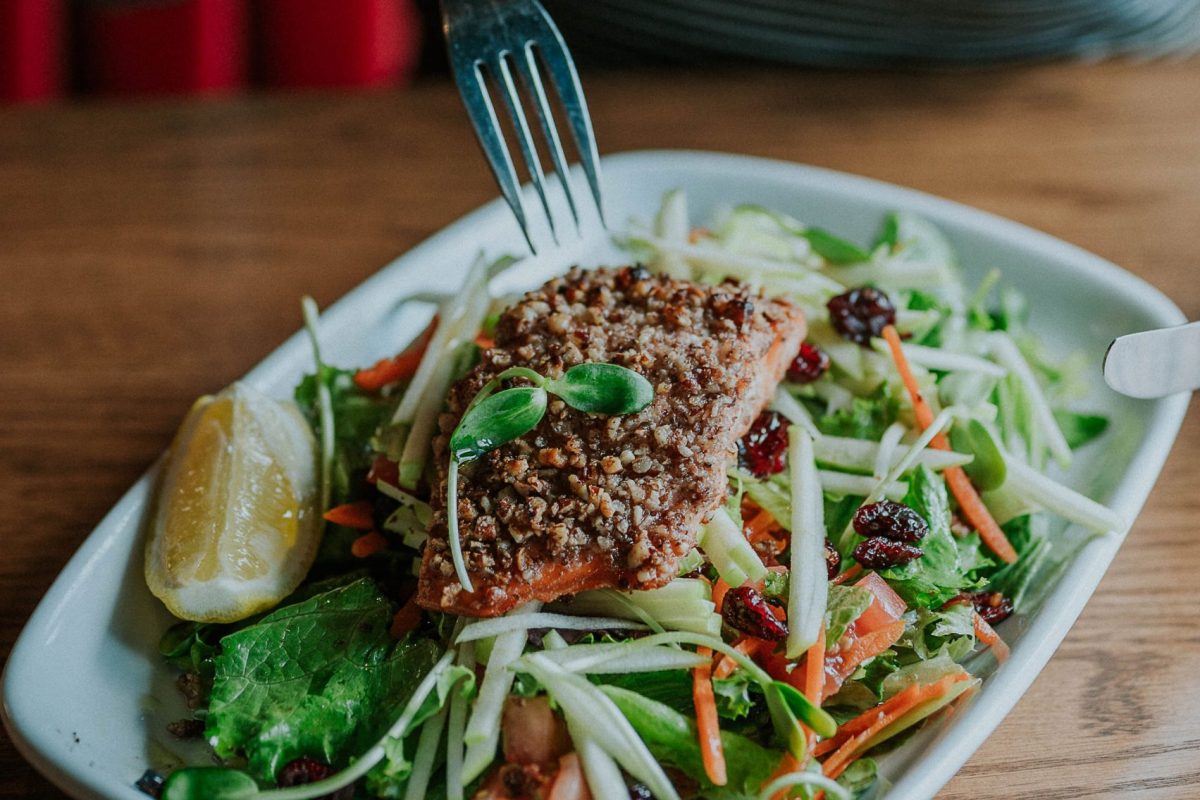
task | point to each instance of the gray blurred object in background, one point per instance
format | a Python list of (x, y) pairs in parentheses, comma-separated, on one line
[(875, 33)]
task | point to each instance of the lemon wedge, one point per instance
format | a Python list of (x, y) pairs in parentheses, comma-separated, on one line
[(236, 524)]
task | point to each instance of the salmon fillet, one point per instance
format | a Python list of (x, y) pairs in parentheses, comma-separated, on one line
[(586, 501)]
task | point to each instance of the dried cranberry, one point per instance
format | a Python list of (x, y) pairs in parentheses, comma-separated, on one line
[(186, 728), (308, 770), (640, 791), (746, 610), (861, 313), (522, 780), (151, 783), (763, 450), (994, 607), (880, 553), (833, 560), (303, 770), (890, 520), (809, 364)]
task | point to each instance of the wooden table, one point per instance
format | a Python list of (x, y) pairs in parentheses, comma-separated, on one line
[(150, 253)]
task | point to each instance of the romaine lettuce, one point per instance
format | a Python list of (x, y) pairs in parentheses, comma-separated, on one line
[(321, 678)]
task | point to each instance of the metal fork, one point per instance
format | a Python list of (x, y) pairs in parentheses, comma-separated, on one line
[(488, 41)]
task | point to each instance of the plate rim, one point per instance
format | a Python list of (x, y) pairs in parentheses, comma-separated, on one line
[(943, 757)]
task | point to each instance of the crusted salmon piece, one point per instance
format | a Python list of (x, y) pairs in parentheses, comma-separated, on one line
[(585, 501)]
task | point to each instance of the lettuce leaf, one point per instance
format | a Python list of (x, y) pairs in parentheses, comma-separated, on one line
[(864, 688), (672, 688), (732, 695), (934, 631), (735, 695), (1079, 429), (1033, 550), (846, 604), (389, 777), (937, 575), (864, 418), (356, 414), (356, 417), (672, 739), (321, 678)]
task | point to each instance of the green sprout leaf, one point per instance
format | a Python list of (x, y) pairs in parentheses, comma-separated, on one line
[(500, 418), (603, 389), (833, 249), (209, 783), (805, 710), (987, 470)]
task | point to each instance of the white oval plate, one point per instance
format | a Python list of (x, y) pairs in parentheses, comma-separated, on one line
[(86, 697)]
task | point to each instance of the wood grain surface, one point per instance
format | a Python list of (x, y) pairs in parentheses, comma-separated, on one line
[(153, 252)]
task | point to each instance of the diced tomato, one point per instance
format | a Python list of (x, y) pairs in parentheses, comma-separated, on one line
[(875, 630), (407, 619), (569, 783), (384, 469), (853, 649), (533, 732), (884, 610)]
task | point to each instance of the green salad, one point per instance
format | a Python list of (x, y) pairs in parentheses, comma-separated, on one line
[(886, 512)]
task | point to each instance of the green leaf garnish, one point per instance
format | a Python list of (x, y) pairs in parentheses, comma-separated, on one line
[(603, 389), (805, 710), (499, 419), (834, 249), (209, 783), (987, 470)]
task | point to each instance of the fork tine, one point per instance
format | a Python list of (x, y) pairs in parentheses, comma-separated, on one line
[(561, 68), (475, 97), (528, 69), (524, 137)]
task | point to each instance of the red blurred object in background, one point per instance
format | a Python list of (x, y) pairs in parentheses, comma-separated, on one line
[(327, 43), (31, 49), (168, 46)]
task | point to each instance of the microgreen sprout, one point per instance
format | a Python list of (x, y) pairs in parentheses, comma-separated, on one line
[(494, 418)]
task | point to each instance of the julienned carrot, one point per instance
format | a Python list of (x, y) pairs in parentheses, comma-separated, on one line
[(712, 752), (761, 526), (368, 544), (987, 634), (352, 515), (977, 513), (747, 646), (872, 644), (960, 485), (866, 719), (484, 341), (852, 572), (390, 370), (787, 764), (718, 594), (814, 676), (862, 728)]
